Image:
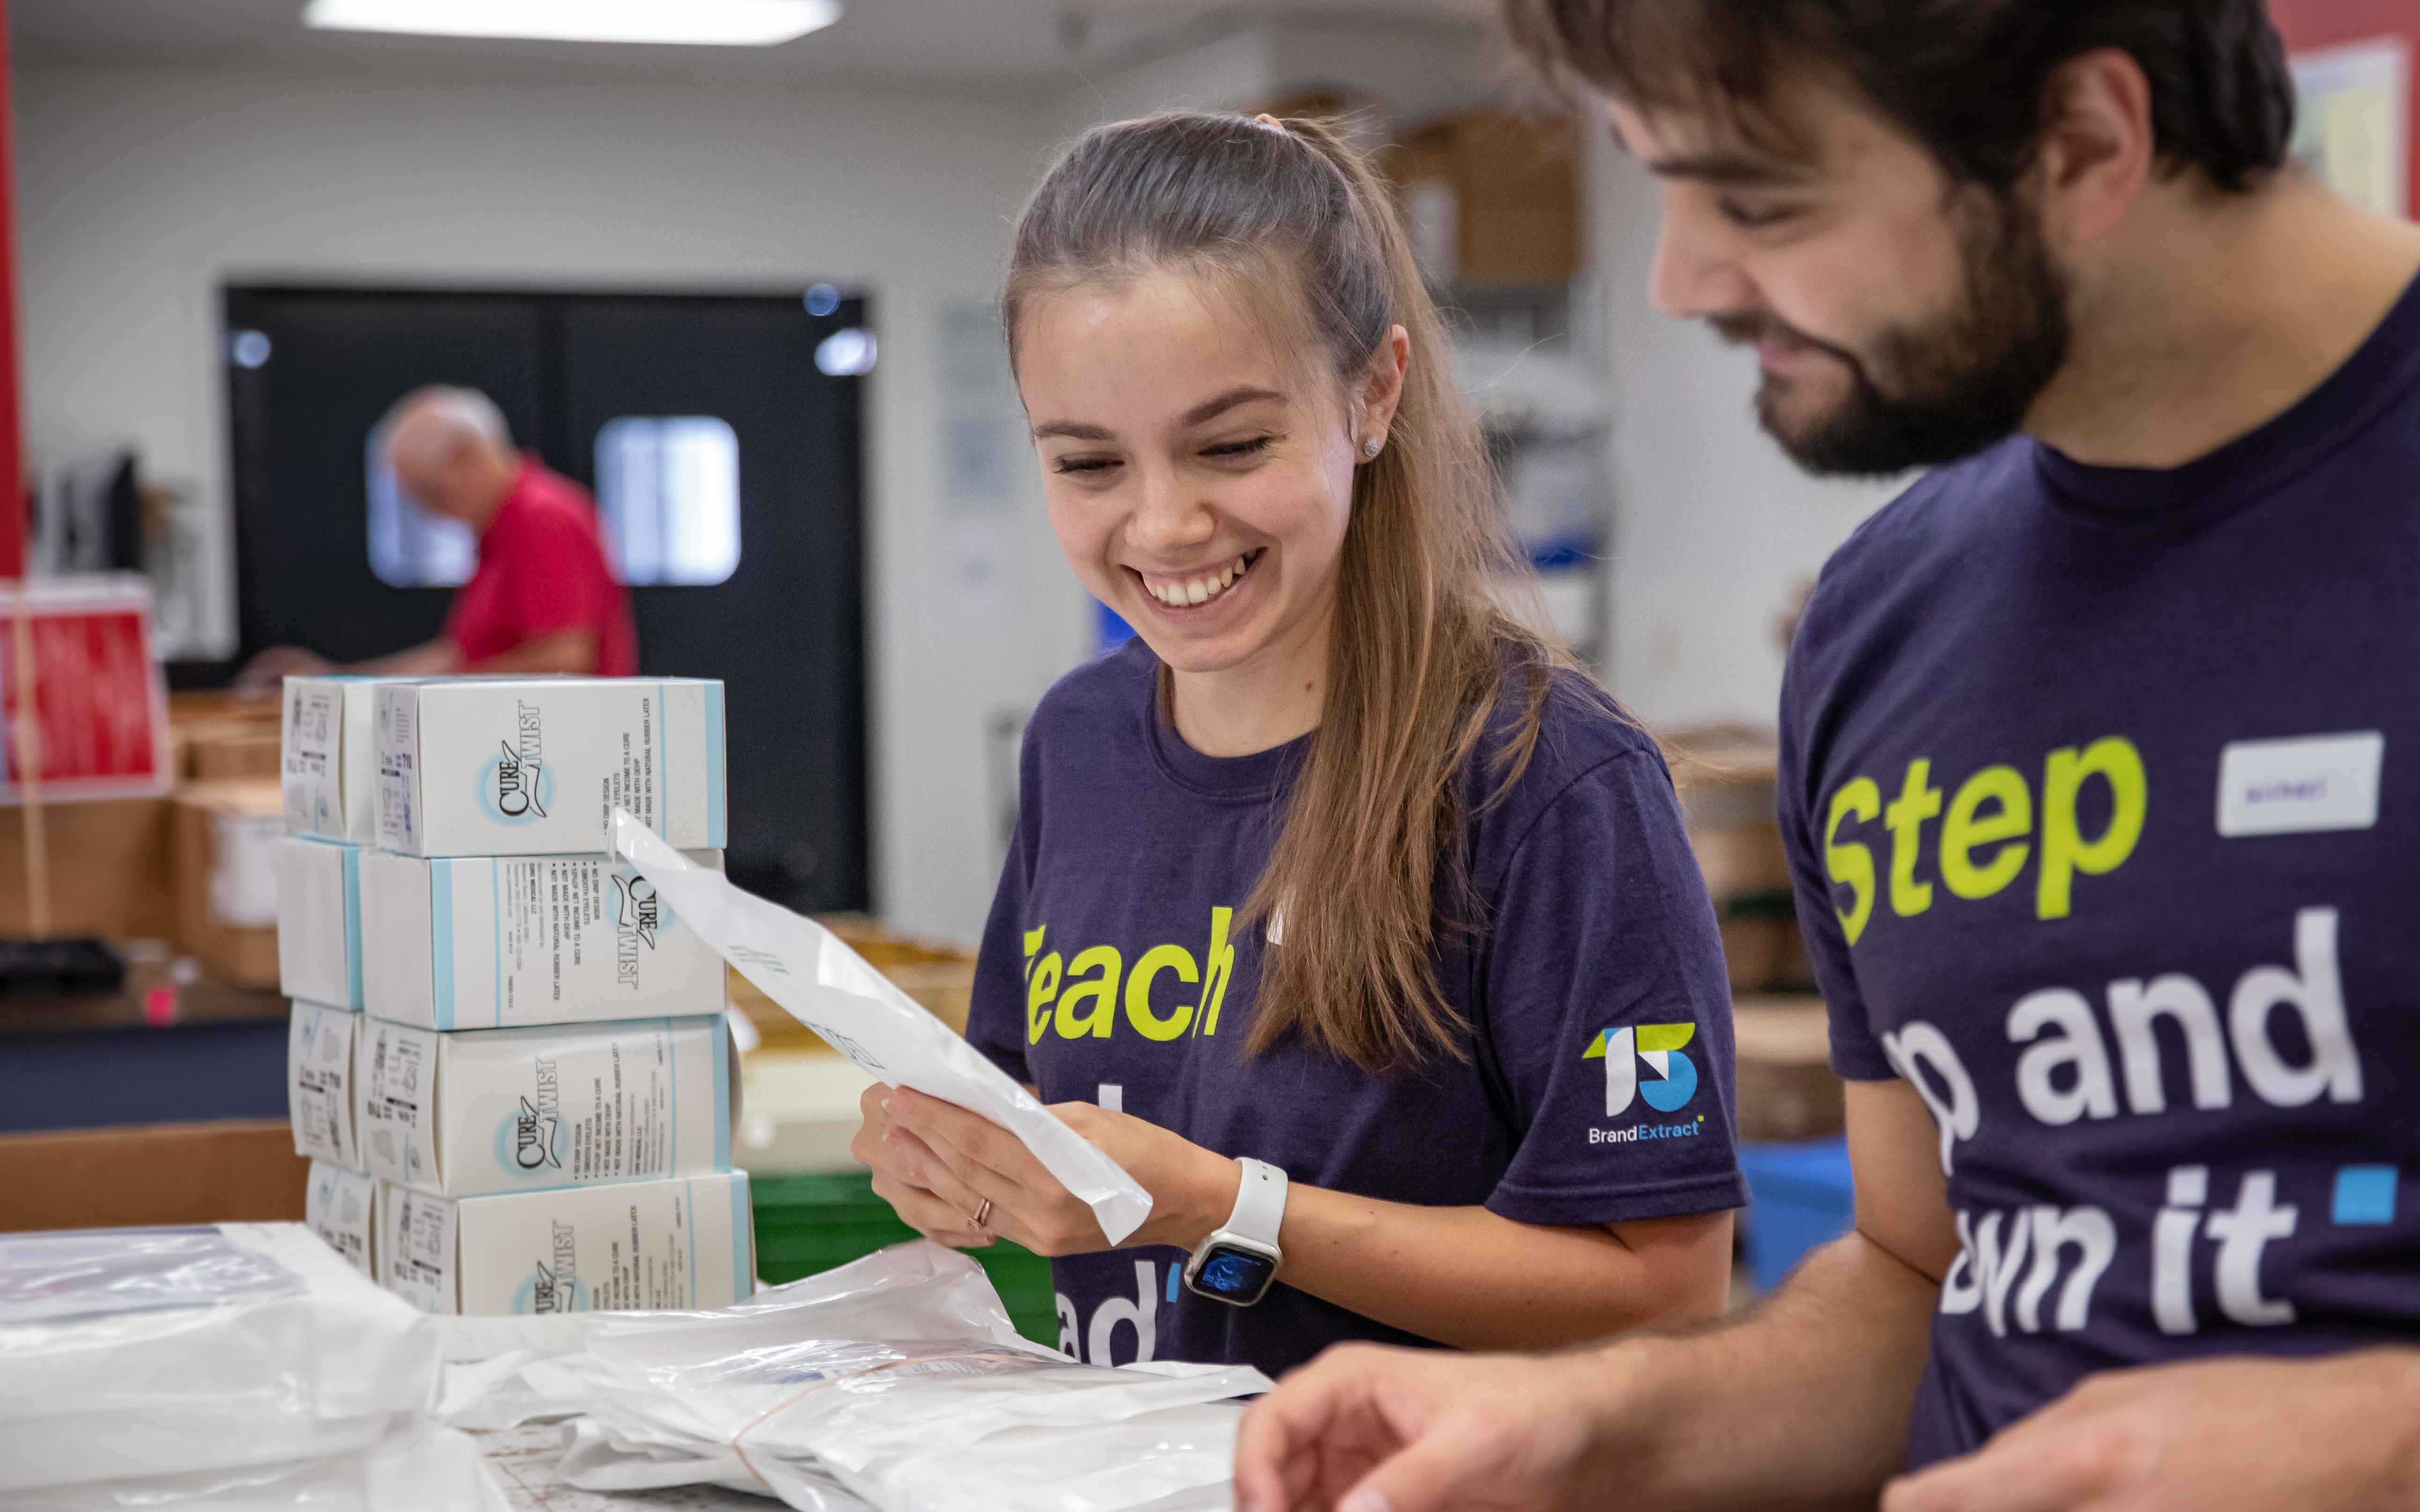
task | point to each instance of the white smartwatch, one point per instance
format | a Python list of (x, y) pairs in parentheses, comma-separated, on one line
[(1238, 1262)]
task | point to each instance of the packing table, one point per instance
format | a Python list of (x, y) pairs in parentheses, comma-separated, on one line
[(156, 1051)]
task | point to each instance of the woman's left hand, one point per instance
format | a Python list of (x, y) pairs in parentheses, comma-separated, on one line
[(966, 1159)]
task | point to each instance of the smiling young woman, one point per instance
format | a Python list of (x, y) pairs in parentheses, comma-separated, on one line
[(1343, 911)]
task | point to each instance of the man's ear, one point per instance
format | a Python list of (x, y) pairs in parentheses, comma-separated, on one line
[(2098, 145)]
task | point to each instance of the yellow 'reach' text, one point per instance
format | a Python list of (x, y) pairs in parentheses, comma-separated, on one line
[(1091, 994)]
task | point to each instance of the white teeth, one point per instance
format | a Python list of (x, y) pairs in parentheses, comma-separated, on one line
[(1198, 590)]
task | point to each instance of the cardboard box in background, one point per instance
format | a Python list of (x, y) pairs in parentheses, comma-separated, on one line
[(505, 766), (227, 840), (320, 1045), (1762, 947), (193, 708), (319, 921), (238, 728), (113, 869), (1741, 861), (939, 975), (489, 942), (511, 1110), (235, 751), (1495, 199), (341, 1207), (1787, 1088), (1725, 778), (224, 1171), (682, 1243)]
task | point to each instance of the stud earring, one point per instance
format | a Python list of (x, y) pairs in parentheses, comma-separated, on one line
[(1370, 448)]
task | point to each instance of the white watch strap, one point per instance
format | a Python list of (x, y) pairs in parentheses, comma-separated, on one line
[(1259, 1203)]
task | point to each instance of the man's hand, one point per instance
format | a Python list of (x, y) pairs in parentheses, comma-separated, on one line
[(2334, 1435), (1802, 1403), (1369, 1429)]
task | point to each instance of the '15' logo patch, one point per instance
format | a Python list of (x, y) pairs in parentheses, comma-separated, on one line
[(1659, 1045)]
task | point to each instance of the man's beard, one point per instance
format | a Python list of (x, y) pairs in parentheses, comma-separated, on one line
[(1946, 388)]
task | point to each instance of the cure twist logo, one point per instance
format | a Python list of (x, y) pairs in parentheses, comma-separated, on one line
[(537, 1125), (1660, 1046), (555, 1285), (638, 914), (516, 784)]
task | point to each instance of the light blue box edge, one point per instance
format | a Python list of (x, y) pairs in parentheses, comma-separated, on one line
[(440, 937)]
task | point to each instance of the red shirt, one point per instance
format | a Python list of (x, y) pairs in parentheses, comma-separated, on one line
[(542, 569)]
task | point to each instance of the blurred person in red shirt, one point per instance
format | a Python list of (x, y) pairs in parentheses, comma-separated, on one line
[(542, 600)]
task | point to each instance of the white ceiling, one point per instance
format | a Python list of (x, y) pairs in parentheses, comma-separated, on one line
[(1006, 44)]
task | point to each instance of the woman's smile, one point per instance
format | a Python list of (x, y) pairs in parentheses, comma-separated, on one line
[(1184, 596)]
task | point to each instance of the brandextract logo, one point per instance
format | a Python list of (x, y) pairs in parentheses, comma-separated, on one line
[(1659, 1047)]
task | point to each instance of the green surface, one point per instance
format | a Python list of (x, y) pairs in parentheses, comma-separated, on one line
[(807, 1224)]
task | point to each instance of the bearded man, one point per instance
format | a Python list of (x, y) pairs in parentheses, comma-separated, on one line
[(2100, 780)]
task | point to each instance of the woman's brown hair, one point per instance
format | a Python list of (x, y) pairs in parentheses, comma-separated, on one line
[(1293, 221)]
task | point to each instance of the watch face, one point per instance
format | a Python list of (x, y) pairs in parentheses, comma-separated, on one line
[(1233, 1274)]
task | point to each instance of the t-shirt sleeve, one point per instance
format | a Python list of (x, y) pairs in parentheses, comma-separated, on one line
[(996, 1015), (1857, 1054), (1608, 1010), (560, 579)]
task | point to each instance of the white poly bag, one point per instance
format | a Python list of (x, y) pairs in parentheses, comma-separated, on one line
[(911, 1288), (977, 1430), (896, 1382), (415, 1467), (831, 988), (162, 1351), (595, 1458), (907, 1427), (1160, 1461)]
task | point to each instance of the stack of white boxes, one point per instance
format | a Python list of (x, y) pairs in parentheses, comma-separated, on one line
[(509, 1063)]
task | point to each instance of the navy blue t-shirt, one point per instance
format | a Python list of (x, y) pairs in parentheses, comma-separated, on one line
[(2102, 790), (1597, 1083)]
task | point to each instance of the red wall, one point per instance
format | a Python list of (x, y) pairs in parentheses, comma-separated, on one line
[(2310, 24), (12, 454)]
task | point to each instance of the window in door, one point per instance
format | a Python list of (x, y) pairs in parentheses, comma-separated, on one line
[(668, 499)]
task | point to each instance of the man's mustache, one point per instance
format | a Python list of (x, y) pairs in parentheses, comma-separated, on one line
[(1749, 328)]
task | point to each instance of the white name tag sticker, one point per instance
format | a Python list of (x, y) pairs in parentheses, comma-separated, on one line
[(2301, 786)]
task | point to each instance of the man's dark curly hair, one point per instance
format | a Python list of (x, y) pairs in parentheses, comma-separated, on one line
[(1963, 77)]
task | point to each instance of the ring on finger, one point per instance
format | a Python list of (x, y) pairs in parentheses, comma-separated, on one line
[(983, 1213)]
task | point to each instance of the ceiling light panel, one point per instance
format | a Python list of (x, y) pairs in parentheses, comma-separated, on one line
[(690, 23)]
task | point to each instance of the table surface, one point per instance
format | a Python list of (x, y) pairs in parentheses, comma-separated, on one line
[(195, 999)]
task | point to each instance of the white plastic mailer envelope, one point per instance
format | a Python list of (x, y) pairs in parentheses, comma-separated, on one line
[(828, 987)]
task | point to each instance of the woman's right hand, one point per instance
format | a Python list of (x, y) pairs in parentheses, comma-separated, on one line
[(905, 1172)]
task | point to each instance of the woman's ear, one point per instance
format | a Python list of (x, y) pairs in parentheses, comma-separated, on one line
[(1382, 387)]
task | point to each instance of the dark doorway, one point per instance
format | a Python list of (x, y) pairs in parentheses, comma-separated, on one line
[(311, 371)]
